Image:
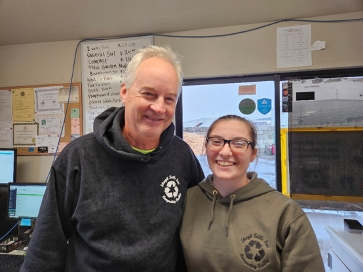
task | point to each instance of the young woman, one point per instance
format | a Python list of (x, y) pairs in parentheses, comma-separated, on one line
[(235, 221)]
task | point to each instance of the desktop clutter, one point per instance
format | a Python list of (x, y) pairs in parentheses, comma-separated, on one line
[(13, 247), (22, 207), (12, 242), (23, 204)]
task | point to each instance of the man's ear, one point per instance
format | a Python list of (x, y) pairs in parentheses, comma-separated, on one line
[(123, 93)]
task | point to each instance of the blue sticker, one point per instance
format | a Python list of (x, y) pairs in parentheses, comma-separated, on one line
[(264, 105)]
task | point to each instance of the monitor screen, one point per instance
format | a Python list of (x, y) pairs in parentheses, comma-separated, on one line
[(24, 199), (7, 165)]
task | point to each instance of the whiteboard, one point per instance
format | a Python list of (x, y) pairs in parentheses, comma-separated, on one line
[(103, 67)]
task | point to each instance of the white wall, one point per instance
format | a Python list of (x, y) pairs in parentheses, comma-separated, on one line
[(243, 54)]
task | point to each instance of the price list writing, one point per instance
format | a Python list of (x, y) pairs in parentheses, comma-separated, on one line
[(103, 66)]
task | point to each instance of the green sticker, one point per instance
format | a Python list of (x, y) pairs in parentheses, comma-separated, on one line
[(247, 106)]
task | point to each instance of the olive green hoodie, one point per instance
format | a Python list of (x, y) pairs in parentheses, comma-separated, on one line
[(254, 229)]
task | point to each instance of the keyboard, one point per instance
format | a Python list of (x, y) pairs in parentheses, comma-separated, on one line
[(11, 261)]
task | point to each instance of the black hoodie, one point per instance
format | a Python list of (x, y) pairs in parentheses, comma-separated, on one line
[(110, 208)]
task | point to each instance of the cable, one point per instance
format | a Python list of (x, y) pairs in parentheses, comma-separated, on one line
[(260, 27), (69, 96), (66, 111), (6, 234)]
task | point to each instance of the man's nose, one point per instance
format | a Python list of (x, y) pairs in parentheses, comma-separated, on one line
[(158, 105)]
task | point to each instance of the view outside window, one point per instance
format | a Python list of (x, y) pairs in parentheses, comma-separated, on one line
[(324, 156), (325, 129), (202, 104)]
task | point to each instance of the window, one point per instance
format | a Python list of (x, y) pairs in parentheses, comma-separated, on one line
[(254, 100)]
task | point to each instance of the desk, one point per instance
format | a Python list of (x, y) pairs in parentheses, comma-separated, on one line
[(346, 251)]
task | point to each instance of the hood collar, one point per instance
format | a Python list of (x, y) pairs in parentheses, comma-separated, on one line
[(254, 188), (107, 129)]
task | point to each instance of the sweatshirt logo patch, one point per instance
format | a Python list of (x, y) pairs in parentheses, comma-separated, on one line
[(254, 253), (171, 189)]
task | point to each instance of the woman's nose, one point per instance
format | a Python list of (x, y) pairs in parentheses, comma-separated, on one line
[(226, 149)]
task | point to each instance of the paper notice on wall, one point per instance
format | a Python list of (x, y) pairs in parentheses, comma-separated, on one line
[(66, 94), (5, 105), (23, 105), (49, 141), (6, 135), (294, 46)]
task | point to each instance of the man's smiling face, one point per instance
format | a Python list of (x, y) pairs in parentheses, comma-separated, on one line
[(150, 102)]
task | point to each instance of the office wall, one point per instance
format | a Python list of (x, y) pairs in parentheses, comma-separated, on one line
[(244, 54), (255, 52)]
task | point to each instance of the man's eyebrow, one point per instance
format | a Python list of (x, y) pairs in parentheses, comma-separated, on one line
[(148, 88)]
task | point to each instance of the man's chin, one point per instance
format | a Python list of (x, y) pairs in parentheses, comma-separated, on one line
[(152, 133)]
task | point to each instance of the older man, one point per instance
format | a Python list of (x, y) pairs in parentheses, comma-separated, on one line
[(115, 197)]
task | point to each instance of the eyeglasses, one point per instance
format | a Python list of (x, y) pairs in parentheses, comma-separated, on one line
[(236, 145)]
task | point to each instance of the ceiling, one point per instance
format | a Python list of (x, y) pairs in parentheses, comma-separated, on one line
[(35, 21)]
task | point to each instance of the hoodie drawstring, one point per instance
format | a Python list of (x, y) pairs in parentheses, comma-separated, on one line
[(232, 197), (212, 210), (229, 213)]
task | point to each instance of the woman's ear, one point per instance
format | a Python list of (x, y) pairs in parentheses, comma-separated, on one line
[(254, 154)]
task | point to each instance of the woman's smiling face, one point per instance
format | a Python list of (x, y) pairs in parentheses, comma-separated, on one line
[(226, 164)]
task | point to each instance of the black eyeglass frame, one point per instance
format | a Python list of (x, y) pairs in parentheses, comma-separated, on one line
[(249, 143)]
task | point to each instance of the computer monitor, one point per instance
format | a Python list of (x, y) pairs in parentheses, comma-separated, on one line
[(24, 199), (7, 166)]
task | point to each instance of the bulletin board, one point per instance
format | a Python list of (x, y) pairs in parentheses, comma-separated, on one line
[(40, 119)]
